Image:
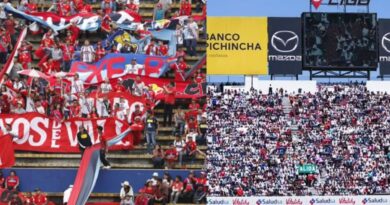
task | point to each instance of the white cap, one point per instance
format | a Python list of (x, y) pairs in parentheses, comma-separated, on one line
[(71, 186), (125, 183), (155, 174)]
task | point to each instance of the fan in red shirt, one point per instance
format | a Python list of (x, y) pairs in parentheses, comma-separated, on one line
[(75, 31), (12, 181), (185, 8), (138, 126), (193, 109), (132, 6), (190, 149), (118, 87), (67, 53), (136, 113), (100, 51), (25, 54), (151, 49), (200, 77), (107, 8), (180, 52), (162, 49), (10, 24), (180, 69), (28, 199), (171, 156), (39, 198), (169, 102), (47, 67)]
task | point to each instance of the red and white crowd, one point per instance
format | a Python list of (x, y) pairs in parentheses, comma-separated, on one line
[(342, 129)]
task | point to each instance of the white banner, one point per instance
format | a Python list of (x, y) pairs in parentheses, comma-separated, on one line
[(301, 200)]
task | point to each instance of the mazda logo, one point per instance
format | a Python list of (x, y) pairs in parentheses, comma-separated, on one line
[(386, 42), (285, 41)]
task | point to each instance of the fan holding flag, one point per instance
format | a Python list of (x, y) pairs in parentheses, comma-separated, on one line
[(7, 158)]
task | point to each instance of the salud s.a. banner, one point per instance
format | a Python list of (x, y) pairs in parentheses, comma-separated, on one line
[(114, 65), (39, 133), (237, 46)]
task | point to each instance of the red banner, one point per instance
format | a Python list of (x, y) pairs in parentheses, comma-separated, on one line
[(7, 158), (39, 133)]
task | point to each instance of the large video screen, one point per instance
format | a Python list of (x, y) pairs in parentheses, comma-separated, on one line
[(340, 41)]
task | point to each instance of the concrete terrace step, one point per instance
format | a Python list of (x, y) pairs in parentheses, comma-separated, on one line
[(113, 165)]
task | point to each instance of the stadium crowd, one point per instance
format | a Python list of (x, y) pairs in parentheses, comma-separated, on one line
[(167, 189), (65, 98), (341, 132)]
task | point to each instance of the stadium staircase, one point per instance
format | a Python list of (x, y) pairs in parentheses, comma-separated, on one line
[(137, 158)]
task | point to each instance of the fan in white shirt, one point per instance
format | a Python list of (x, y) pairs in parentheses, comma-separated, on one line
[(105, 87), (135, 68), (77, 85)]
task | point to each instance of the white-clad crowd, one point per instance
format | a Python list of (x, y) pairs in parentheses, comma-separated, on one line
[(262, 143)]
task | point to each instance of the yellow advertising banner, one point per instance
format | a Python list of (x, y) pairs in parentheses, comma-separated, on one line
[(237, 46)]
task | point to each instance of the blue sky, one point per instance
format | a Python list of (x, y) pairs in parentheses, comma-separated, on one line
[(282, 8)]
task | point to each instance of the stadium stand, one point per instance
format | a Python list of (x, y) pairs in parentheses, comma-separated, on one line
[(331, 142), (138, 158)]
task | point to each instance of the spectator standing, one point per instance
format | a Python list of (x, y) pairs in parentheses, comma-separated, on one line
[(191, 35), (151, 130), (169, 102), (104, 148), (87, 52), (83, 139)]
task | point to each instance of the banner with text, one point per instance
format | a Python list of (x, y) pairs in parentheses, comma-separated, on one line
[(39, 133), (302, 200), (117, 65), (284, 44), (237, 45)]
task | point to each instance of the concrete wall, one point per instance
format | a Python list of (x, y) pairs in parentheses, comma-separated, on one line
[(288, 85), (109, 181), (378, 86)]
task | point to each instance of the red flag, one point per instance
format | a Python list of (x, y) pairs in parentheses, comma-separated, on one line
[(7, 158), (316, 3)]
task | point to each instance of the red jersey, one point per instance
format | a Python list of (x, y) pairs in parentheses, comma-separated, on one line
[(47, 67), (75, 32), (119, 88), (103, 142), (170, 97), (179, 69), (67, 51), (47, 42), (171, 154), (12, 181), (10, 26), (151, 49), (163, 50), (191, 145), (185, 9), (39, 199), (193, 126), (132, 7), (100, 52)]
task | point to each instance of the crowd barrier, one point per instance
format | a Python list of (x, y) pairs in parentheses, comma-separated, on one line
[(109, 181)]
